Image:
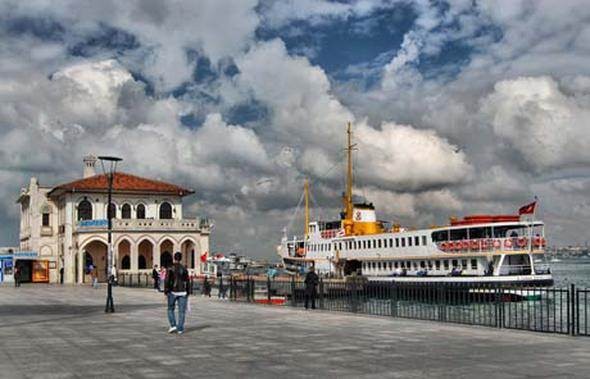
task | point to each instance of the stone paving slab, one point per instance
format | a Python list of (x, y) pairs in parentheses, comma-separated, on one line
[(62, 332)]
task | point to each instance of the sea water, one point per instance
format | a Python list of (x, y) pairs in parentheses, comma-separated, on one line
[(571, 271)]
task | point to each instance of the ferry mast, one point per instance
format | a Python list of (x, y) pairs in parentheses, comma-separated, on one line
[(348, 206)]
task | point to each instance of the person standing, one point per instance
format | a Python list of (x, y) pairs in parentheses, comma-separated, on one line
[(16, 276), (61, 275), (176, 289), (162, 279), (94, 276), (311, 283), (206, 287), (156, 277)]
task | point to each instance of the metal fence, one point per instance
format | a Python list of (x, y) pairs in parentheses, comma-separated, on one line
[(540, 309)]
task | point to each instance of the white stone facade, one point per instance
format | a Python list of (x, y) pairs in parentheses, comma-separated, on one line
[(56, 230)]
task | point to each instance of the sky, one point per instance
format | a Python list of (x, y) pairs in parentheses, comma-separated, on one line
[(458, 107)]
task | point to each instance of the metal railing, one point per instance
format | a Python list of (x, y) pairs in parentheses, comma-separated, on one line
[(540, 309)]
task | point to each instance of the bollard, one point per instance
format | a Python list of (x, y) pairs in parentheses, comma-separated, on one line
[(293, 302), (321, 299), (268, 289)]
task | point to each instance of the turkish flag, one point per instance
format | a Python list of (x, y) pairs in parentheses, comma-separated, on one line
[(527, 209), (204, 257)]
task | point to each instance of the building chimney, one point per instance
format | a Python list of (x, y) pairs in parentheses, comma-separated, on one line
[(89, 166)]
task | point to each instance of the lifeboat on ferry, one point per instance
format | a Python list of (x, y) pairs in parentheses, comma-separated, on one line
[(521, 242)]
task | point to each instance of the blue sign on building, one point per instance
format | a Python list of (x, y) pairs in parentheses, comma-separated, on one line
[(25, 254), (93, 223)]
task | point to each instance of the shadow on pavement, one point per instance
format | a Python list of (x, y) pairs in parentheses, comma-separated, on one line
[(68, 311), (190, 329)]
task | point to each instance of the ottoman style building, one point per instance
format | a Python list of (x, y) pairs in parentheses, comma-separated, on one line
[(66, 227)]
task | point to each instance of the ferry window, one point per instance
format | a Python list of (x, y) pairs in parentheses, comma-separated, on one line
[(424, 240), (415, 264), (446, 264), (430, 265), (364, 244), (440, 236), (379, 243), (339, 245), (480, 233), (455, 263), (437, 265), (374, 265), (408, 264), (396, 265), (390, 265), (379, 265), (403, 242), (422, 264), (464, 264), (474, 264), (458, 234), (417, 241), (391, 242), (409, 241), (403, 265), (397, 242)]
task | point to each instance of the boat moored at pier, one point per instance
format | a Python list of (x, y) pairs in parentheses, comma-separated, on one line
[(474, 249)]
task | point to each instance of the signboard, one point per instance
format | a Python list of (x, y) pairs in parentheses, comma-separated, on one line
[(93, 223), (25, 255), (5, 256)]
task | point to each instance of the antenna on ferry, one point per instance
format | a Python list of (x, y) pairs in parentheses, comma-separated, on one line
[(306, 191)]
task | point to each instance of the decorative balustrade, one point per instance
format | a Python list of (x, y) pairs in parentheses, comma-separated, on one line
[(195, 224)]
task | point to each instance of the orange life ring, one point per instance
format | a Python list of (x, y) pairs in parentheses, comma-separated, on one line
[(474, 245), (458, 245), (444, 246), (487, 244), (508, 243), (522, 242), (497, 244)]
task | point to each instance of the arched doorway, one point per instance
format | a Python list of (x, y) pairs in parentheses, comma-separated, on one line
[(95, 253), (145, 251), (126, 263), (166, 249), (123, 250), (188, 253)]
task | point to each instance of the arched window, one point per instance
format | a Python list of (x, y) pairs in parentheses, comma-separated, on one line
[(166, 259), (141, 264), (126, 263), (165, 211), (84, 210), (112, 211), (126, 211), (141, 211)]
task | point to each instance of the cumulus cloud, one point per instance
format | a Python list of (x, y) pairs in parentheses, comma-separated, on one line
[(548, 128)]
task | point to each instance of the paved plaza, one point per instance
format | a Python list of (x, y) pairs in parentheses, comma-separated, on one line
[(62, 332)]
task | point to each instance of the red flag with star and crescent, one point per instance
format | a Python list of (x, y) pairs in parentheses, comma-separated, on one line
[(527, 209), (204, 257)]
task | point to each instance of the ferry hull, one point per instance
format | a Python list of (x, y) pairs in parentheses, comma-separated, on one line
[(516, 280)]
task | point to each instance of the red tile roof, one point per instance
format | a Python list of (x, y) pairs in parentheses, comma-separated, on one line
[(122, 182)]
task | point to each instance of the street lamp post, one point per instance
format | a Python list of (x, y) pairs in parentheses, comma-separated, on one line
[(109, 172)]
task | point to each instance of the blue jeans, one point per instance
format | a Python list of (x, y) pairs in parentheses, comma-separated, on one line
[(172, 299)]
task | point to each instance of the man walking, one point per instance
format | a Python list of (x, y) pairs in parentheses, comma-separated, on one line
[(311, 283), (156, 277), (177, 288)]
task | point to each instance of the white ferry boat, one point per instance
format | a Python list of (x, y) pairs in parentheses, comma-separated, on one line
[(475, 249)]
